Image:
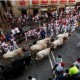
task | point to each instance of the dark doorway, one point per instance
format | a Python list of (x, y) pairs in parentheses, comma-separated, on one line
[(4, 5), (79, 8), (23, 11), (9, 7), (1, 16), (35, 11)]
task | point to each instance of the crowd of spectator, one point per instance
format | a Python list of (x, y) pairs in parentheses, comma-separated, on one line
[(53, 27)]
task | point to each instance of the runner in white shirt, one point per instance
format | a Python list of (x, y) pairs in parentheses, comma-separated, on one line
[(13, 31), (29, 34), (65, 28), (73, 28), (57, 29), (15, 46), (52, 33), (17, 30)]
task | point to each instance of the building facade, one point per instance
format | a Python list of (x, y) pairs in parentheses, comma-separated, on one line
[(31, 7)]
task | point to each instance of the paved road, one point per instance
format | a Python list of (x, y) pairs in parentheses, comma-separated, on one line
[(42, 70)]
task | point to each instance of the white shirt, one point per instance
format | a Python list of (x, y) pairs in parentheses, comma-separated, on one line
[(59, 68), (17, 30), (26, 34), (29, 33), (13, 31), (45, 28), (14, 43), (3, 44)]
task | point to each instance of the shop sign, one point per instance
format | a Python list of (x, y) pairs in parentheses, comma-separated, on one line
[(53, 8), (53, 1), (62, 1), (44, 1), (22, 2), (35, 1), (44, 9)]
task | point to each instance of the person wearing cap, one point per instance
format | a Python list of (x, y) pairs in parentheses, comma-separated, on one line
[(77, 62), (59, 59)]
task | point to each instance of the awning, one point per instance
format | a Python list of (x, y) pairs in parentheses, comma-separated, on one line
[(53, 1), (22, 2), (44, 1), (35, 1), (62, 1), (71, 0)]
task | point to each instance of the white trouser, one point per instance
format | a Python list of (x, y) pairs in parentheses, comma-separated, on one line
[(57, 31), (78, 44), (26, 39), (15, 47)]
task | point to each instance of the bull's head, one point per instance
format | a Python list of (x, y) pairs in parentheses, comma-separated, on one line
[(51, 47), (24, 48), (70, 34)]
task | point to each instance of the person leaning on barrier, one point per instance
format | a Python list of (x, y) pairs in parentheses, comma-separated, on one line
[(59, 68), (58, 60)]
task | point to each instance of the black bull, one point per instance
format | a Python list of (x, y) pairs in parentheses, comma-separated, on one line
[(15, 67)]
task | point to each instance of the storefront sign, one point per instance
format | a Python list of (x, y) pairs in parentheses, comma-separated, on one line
[(22, 2), (53, 1), (35, 1), (71, 1), (44, 1), (44, 9), (62, 1)]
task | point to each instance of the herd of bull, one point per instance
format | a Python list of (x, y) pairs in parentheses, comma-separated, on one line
[(41, 48)]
